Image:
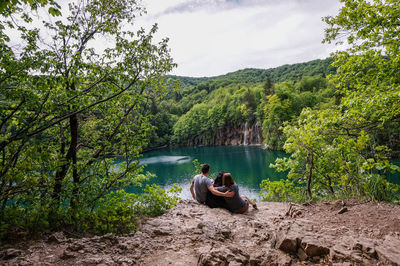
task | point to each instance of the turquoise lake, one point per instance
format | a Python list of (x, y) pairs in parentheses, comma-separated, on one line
[(247, 164)]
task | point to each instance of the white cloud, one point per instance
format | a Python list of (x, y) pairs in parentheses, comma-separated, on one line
[(213, 37)]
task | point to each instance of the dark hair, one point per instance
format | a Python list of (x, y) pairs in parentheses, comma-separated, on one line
[(227, 180), (218, 179), (205, 168)]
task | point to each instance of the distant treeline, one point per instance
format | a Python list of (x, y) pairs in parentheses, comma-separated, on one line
[(252, 76)]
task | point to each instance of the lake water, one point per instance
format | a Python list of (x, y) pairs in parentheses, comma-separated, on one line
[(247, 164)]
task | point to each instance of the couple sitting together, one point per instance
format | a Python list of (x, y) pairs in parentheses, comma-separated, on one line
[(222, 192)]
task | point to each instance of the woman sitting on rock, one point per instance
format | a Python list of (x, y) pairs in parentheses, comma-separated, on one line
[(218, 179), (235, 203), (214, 201)]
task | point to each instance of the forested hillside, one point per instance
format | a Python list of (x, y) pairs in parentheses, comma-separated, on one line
[(293, 72), (201, 111)]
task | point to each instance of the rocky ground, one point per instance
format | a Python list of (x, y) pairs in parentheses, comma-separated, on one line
[(335, 233)]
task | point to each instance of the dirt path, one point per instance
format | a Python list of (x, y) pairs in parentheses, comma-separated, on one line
[(336, 233)]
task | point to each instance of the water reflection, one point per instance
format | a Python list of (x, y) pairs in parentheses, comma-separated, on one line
[(166, 160)]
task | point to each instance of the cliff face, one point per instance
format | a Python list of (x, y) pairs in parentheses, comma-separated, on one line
[(239, 135), (333, 233)]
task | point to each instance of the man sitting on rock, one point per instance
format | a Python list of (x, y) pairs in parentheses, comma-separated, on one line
[(201, 184)]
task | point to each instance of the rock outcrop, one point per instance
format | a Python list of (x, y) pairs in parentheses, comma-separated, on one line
[(276, 234), (230, 135), (235, 135)]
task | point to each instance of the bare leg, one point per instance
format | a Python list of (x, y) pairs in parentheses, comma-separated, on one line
[(249, 201)]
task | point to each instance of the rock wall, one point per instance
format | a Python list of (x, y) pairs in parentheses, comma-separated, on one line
[(231, 135), (234, 135)]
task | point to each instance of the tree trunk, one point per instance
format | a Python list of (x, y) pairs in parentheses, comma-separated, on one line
[(60, 173), (70, 156), (311, 161), (73, 153), (330, 186), (3, 184)]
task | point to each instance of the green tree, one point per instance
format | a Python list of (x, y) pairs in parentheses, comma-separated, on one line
[(311, 84), (66, 108), (268, 87), (338, 149), (192, 127), (288, 102), (8, 8)]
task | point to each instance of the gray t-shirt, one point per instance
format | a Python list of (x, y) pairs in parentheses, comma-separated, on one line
[(201, 184), (236, 202)]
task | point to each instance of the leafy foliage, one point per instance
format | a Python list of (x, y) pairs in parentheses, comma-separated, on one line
[(12, 6), (66, 110), (118, 211), (281, 190), (340, 151), (288, 102)]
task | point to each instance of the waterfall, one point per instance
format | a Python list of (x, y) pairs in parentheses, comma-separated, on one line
[(245, 143), (257, 133)]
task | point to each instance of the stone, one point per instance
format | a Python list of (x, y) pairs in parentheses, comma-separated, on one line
[(226, 233), (314, 249), (200, 225), (297, 213), (255, 261), (342, 264), (110, 238), (287, 245), (340, 252), (67, 255), (224, 256), (284, 261), (162, 231), (301, 254), (91, 260), (287, 238), (263, 238), (208, 259), (257, 225), (10, 254), (77, 246), (125, 261), (122, 246), (293, 211), (366, 247), (389, 251), (57, 238)]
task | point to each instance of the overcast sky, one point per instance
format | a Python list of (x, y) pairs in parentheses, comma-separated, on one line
[(214, 37)]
